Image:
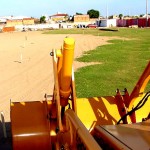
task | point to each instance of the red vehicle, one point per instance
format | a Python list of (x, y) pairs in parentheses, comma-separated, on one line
[(91, 26)]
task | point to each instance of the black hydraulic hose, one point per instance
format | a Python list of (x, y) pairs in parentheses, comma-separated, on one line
[(138, 106)]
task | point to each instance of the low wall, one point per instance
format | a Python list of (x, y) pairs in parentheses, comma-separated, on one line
[(8, 29)]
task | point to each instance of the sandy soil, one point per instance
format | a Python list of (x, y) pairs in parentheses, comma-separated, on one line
[(26, 71)]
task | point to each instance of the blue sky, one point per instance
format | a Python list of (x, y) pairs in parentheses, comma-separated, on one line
[(37, 8)]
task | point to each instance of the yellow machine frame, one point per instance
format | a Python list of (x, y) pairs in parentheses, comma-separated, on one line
[(68, 122)]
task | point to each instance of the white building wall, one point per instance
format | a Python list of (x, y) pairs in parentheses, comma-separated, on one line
[(107, 23), (111, 23)]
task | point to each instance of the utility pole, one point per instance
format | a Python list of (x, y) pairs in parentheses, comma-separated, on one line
[(107, 10), (146, 13)]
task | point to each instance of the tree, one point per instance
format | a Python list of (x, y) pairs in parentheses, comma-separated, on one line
[(141, 15), (42, 19), (93, 13), (78, 13), (120, 16)]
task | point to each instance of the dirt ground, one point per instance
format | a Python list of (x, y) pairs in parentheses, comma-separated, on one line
[(26, 71)]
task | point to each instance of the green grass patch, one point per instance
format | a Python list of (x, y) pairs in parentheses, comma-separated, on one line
[(121, 62), (122, 32), (71, 31)]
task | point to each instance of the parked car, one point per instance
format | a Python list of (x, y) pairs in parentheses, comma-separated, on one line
[(81, 26), (91, 26)]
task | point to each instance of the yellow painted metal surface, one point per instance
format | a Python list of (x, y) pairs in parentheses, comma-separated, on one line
[(30, 126), (78, 136), (56, 93), (66, 71), (106, 140), (140, 86), (129, 136), (97, 110), (103, 111), (32, 129)]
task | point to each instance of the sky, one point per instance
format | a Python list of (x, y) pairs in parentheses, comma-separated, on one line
[(37, 8)]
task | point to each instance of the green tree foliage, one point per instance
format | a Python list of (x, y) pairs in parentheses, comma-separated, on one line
[(78, 13), (120, 16), (141, 15), (93, 13), (42, 19)]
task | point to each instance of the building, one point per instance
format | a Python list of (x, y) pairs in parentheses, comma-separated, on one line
[(28, 21), (114, 17), (81, 18), (59, 17), (24, 21), (107, 23), (11, 21), (2, 21)]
